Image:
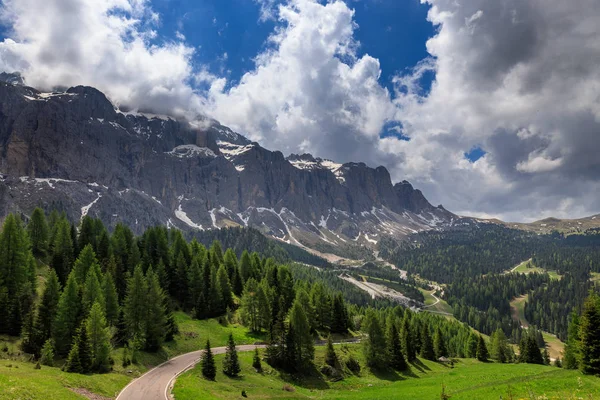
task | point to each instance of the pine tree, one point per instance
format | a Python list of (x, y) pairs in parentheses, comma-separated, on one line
[(546, 357), (86, 261), (407, 339), (99, 339), (92, 292), (331, 358), (155, 321), (111, 300), (256, 364), (73, 364), (471, 345), (28, 334), (47, 354), (303, 338), (321, 303), (246, 269), (571, 351), (171, 328), (82, 342), (374, 345), (87, 233), (589, 333), (47, 308), (439, 345), (499, 346), (67, 317), (231, 364), (231, 263), (135, 304), (225, 287), (16, 273), (339, 316), (250, 310), (427, 351), (482, 351), (394, 347), (207, 364), (38, 233), (62, 250)]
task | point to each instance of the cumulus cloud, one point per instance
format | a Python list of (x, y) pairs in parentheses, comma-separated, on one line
[(309, 92), (101, 43), (518, 78)]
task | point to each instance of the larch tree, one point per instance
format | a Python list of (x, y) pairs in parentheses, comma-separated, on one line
[(99, 339), (68, 316)]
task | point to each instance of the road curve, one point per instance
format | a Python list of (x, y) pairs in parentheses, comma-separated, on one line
[(156, 383)]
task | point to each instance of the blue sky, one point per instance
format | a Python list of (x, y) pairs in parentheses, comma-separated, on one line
[(393, 31), (489, 134)]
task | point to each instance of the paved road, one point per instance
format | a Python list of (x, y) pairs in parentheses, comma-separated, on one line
[(156, 383)]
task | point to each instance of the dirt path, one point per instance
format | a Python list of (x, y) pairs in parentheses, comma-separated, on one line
[(517, 312)]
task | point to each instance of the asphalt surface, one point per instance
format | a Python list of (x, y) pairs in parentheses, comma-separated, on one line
[(156, 383)]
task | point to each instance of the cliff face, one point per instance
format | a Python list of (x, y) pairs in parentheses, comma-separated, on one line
[(74, 151)]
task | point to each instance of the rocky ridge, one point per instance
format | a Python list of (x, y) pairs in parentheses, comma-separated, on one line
[(75, 151)]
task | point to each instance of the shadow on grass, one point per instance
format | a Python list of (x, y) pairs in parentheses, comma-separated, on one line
[(310, 379), (387, 374), (418, 364)]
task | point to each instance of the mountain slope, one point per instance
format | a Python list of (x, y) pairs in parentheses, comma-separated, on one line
[(75, 151)]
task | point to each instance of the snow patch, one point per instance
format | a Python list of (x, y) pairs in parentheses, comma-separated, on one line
[(86, 209), (182, 216), (191, 150)]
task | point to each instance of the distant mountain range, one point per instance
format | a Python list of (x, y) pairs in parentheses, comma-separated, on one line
[(75, 151)]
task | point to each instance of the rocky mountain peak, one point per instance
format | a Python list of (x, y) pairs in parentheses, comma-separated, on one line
[(75, 151)]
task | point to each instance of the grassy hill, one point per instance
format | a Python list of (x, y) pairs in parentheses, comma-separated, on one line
[(468, 379)]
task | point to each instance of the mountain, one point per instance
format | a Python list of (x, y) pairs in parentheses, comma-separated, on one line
[(75, 151)]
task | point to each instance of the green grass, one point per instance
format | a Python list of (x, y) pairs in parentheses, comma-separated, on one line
[(192, 336), (22, 381), (441, 307), (469, 379), (527, 267)]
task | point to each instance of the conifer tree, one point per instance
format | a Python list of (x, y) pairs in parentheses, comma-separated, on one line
[(87, 233), (16, 273), (171, 328), (289, 358), (135, 304), (331, 358), (28, 334), (304, 299), (394, 347), (92, 292), (303, 339), (256, 364), (546, 357), (111, 300), (82, 341), (73, 363), (38, 233), (406, 338), (374, 345), (499, 345), (246, 268), (439, 345), (155, 321), (99, 339), (321, 303), (231, 364), (46, 312), (250, 310), (589, 333), (471, 345), (231, 263), (427, 351), (47, 353), (68, 314), (571, 351), (62, 250), (482, 351), (339, 316), (207, 364), (225, 288), (86, 261)]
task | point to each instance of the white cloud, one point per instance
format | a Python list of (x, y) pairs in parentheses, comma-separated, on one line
[(309, 90), (101, 43), (519, 78)]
